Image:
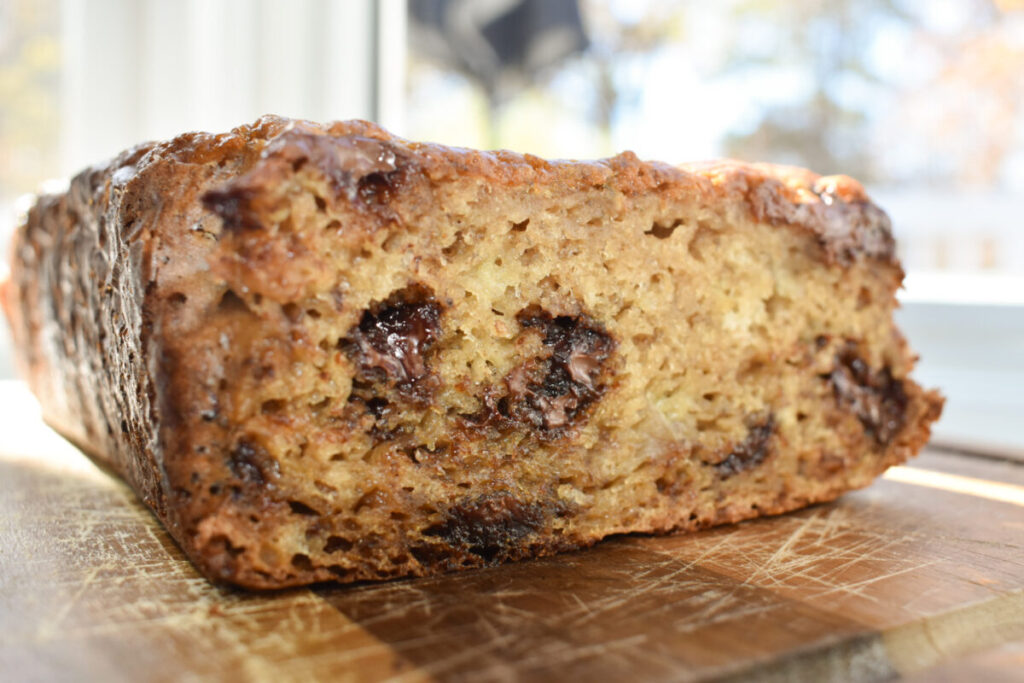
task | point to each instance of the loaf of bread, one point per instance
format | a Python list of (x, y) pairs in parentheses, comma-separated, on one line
[(327, 353)]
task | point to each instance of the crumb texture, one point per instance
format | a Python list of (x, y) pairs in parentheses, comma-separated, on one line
[(346, 356)]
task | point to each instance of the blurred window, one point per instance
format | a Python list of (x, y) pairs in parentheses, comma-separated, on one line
[(922, 101)]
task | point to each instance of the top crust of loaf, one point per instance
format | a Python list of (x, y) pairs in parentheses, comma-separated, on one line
[(835, 209)]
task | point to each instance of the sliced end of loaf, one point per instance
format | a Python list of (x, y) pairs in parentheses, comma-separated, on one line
[(373, 358)]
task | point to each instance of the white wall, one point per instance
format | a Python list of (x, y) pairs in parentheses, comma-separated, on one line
[(137, 70)]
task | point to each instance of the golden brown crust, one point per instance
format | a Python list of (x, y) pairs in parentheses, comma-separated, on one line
[(159, 304), (835, 209)]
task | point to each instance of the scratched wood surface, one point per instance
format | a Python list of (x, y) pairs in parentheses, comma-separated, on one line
[(922, 575)]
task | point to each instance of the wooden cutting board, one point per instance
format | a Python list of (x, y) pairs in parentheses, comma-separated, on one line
[(920, 574)]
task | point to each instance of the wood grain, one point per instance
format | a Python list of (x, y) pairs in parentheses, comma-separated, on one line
[(899, 578)]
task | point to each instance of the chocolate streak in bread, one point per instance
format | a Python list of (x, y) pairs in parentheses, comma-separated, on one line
[(326, 353)]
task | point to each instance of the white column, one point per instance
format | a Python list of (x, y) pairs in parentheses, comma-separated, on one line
[(392, 56), (347, 60), (99, 80)]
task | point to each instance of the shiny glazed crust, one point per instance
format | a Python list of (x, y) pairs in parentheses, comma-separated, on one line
[(291, 341)]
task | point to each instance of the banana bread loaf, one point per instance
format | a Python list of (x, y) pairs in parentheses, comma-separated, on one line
[(327, 353)]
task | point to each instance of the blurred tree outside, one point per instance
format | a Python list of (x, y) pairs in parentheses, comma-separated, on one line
[(900, 92), (503, 46), (825, 123), (969, 112), (517, 102), (894, 92), (619, 41)]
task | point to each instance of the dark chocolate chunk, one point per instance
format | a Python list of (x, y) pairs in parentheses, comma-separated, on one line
[(361, 169), (751, 452), (845, 230), (250, 463), (345, 160), (490, 526), (550, 393), (877, 399), (379, 188), (569, 382), (392, 339), (234, 204)]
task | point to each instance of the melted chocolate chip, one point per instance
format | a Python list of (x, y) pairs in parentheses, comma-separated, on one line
[(751, 452), (379, 188), (549, 394), (344, 160), (250, 463), (490, 526), (877, 399), (845, 228), (361, 169), (234, 205), (391, 341)]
